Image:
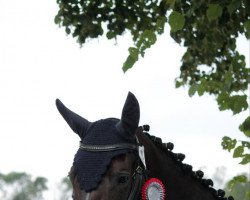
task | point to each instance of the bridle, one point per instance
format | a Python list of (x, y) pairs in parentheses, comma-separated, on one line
[(139, 177), (112, 147), (140, 174)]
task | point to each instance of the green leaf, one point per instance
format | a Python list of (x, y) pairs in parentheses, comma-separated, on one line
[(228, 144), (57, 19), (238, 152), (67, 29), (214, 11), (129, 63), (193, 89), (110, 35), (171, 3), (228, 80), (201, 89), (186, 57), (176, 21), (149, 38), (178, 84), (235, 4), (247, 27), (133, 52), (247, 5), (246, 159), (245, 127), (245, 144), (238, 103), (241, 178), (222, 101), (235, 180), (160, 23)]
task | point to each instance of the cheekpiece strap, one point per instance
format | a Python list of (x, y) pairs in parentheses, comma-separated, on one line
[(113, 147)]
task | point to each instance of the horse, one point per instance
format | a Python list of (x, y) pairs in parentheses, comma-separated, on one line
[(119, 160)]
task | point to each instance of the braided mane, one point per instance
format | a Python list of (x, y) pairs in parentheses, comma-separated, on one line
[(186, 169)]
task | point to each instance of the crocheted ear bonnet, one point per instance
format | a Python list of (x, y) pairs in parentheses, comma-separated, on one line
[(91, 166)]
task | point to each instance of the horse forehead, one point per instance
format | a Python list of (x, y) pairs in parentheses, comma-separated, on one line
[(122, 162)]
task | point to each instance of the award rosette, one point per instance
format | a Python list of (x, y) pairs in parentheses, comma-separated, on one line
[(153, 189)]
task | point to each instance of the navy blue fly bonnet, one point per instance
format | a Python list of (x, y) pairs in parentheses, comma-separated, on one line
[(91, 165)]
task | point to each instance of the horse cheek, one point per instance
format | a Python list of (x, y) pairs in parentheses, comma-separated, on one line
[(120, 192)]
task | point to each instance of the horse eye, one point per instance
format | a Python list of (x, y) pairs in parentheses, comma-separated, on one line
[(123, 179)]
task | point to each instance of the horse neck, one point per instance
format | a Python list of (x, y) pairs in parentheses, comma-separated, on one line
[(179, 182)]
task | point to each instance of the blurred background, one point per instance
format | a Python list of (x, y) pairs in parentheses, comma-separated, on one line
[(39, 63)]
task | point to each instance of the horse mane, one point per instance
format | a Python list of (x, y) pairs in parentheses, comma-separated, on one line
[(178, 158)]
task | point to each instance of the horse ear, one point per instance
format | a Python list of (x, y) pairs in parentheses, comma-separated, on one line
[(130, 117), (77, 123)]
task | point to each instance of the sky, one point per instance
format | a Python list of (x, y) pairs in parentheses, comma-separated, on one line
[(39, 63)]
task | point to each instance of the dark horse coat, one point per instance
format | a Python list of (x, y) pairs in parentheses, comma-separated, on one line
[(117, 160)]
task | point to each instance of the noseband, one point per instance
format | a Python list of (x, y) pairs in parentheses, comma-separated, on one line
[(139, 176)]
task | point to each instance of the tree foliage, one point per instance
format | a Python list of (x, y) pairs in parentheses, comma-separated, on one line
[(238, 187), (65, 189), (20, 186), (240, 148), (207, 29)]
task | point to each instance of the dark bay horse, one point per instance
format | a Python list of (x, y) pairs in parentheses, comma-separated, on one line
[(118, 160)]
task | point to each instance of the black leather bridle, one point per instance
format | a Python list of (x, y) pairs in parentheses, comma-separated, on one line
[(138, 177)]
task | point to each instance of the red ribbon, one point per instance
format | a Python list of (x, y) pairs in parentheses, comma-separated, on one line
[(153, 187)]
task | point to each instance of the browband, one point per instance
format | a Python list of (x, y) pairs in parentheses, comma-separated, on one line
[(112, 147)]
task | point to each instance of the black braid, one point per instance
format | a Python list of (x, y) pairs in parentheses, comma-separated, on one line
[(178, 158)]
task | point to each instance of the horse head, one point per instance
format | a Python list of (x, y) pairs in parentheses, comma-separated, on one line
[(105, 164), (117, 160)]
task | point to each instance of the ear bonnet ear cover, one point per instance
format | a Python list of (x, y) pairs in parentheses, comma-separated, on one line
[(91, 166)]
